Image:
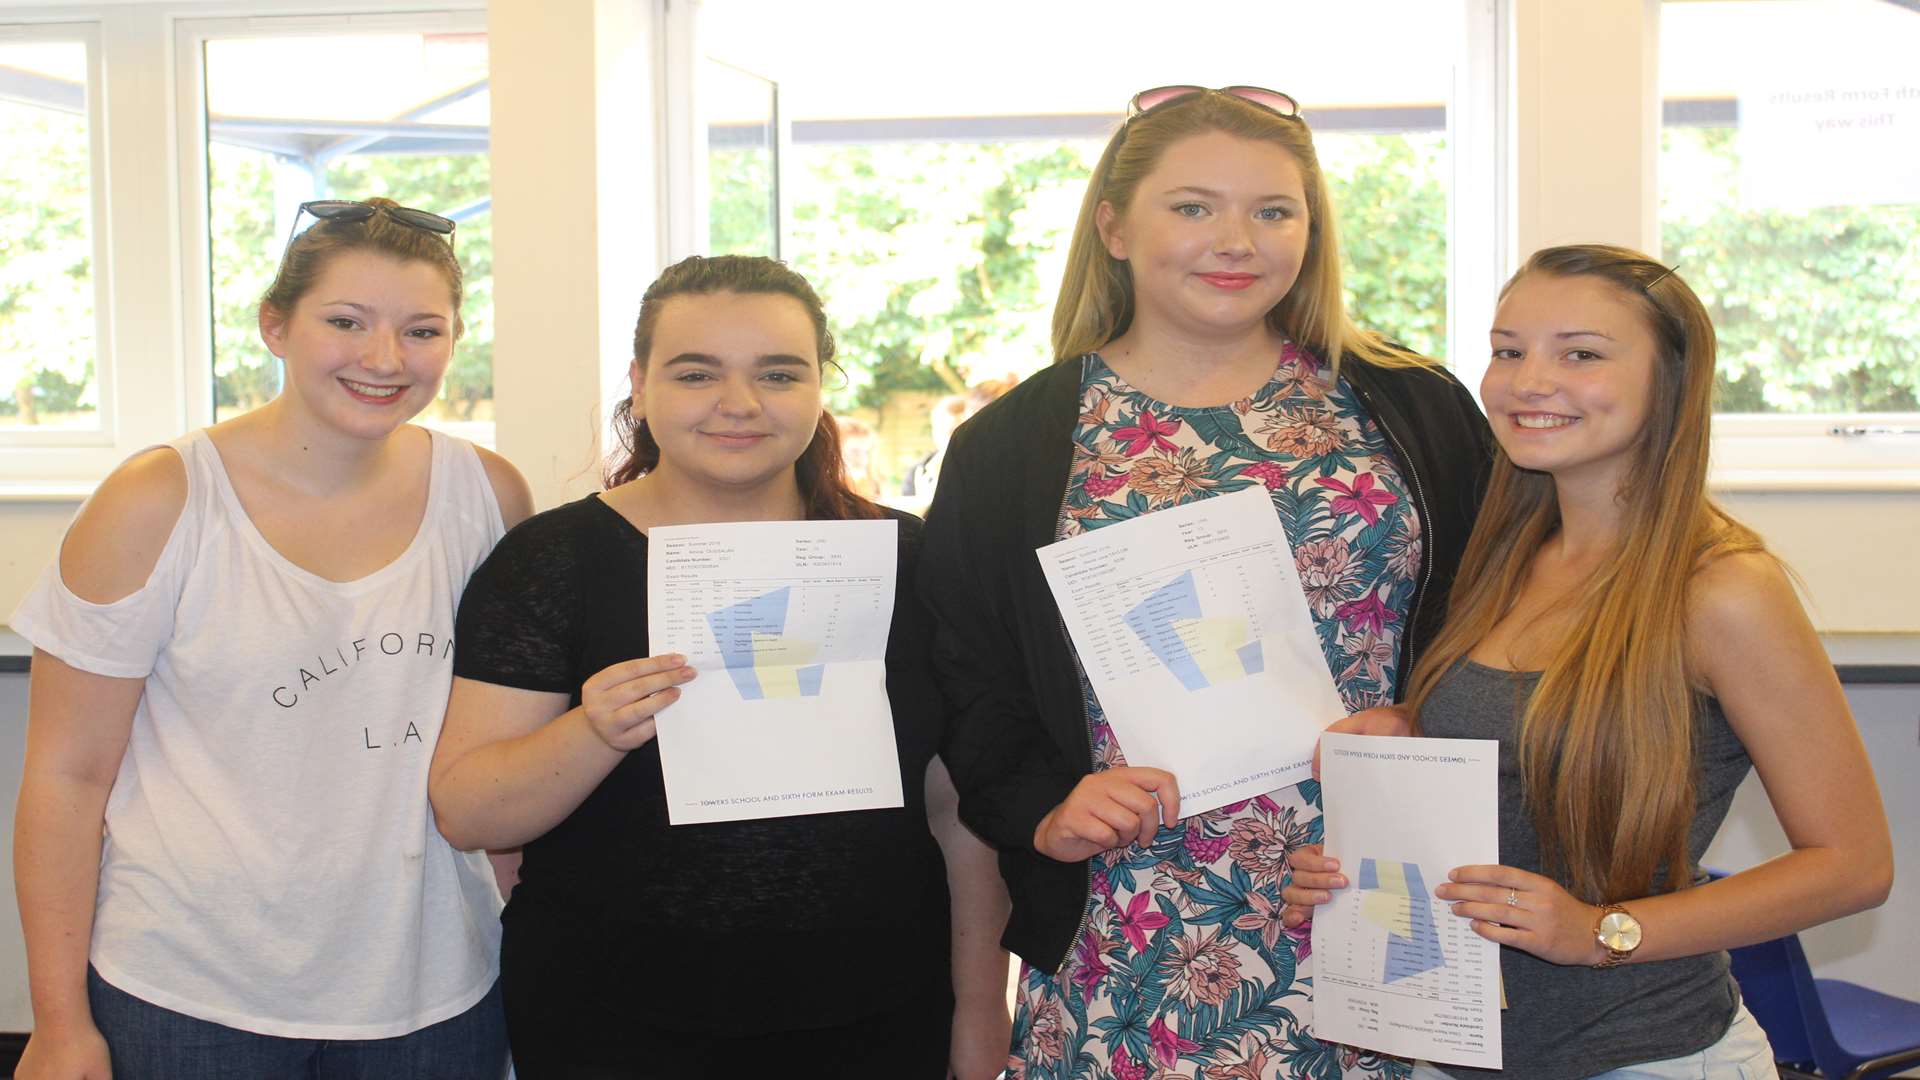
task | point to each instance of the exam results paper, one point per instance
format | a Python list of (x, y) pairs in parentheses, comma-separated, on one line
[(1395, 969), (1194, 631), (786, 623)]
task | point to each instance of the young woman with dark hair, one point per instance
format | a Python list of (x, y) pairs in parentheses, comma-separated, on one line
[(225, 859), (634, 948)]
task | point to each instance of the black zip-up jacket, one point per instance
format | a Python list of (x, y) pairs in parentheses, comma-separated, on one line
[(1018, 741)]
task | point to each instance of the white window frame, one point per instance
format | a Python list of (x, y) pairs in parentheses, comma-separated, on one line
[(1479, 241), (149, 235), (36, 461), (1479, 247), (687, 188), (154, 362), (190, 38), (1760, 452), (1613, 111)]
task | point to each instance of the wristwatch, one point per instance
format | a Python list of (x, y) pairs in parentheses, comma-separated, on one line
[(1618, 932)]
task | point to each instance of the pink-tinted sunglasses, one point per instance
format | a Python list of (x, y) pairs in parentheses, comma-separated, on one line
[(1273, 101)]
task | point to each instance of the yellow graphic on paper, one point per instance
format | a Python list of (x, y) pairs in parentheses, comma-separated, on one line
[(760, 659), (1199, 651), (1394, 897), (1389, 906), (784, 666), (1214, 646)]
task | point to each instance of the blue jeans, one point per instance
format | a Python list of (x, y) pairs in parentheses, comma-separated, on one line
[(148, 1042), (1743, 1053)]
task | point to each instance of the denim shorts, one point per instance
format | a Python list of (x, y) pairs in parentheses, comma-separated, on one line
[(1743, 1053), (147, 1042)]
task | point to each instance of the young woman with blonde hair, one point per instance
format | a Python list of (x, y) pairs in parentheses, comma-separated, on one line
[(1202, 347), (242, 654), (1635, 650)]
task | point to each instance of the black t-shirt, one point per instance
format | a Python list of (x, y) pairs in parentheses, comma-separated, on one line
[(767, 925)]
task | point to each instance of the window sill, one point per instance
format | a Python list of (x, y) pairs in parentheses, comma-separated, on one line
[(68, 492), (1831, 481), (16, 653)]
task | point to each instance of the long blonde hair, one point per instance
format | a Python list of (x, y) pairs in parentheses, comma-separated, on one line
[(1605, 743), (1096, 292)]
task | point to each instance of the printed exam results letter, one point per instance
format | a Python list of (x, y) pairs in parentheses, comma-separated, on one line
[(1396, 970), (786, 622), (1195, 634)]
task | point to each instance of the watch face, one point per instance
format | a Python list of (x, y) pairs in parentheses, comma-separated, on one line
[(1620, 931)]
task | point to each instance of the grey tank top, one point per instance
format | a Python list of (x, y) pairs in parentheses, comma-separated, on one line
[(1572, 1021)]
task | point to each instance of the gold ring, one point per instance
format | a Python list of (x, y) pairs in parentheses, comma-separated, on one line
[(1513, 898)]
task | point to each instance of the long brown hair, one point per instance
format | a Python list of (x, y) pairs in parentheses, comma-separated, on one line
[(306, 258), (1096, 293), (1605, 743), (820, 471)]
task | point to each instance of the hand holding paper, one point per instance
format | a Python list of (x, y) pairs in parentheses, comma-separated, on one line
[(621, 700), (1106, 810), (1398, 971)]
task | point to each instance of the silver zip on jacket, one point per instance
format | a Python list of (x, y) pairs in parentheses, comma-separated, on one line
[(1079, 673)]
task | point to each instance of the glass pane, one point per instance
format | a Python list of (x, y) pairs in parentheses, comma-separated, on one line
[(1790, 197), (741, 152), (47, 347), (938, 261), (1390, 188), (932, 206), (345, 117)]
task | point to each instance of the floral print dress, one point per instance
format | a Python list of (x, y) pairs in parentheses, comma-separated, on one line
[(1183, 969)]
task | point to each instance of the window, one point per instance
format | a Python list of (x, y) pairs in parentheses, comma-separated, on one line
[(51, 367), (743, 161), (1790, 199), (400, 110), (932, 185)]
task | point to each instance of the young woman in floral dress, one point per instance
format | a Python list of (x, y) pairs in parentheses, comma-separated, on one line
[(1203, 348)]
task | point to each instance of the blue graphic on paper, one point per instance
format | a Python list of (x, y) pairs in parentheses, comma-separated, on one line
[(1395, 898), (1199, 651), (760, 659)]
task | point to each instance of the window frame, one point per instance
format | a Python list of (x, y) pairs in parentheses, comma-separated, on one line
[(1477, 129), (1759, 452), (82, 444), (144, 225), (190, 37), (154, 360)]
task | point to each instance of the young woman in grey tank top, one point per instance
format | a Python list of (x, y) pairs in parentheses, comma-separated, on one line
[(1633, 648)]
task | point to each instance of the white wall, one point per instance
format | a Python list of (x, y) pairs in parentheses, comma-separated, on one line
[(1874, 948), (29, 535)]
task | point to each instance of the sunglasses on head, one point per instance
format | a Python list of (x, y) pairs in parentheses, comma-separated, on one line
[(1273, 101), (350, 210)]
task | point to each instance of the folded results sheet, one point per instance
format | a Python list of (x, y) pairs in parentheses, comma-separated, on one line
[(786, 623), (1396, 970), (1195, 633)]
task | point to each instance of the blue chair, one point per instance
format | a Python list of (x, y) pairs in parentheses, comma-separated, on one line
[(1766, 983), (1844, 1029)]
